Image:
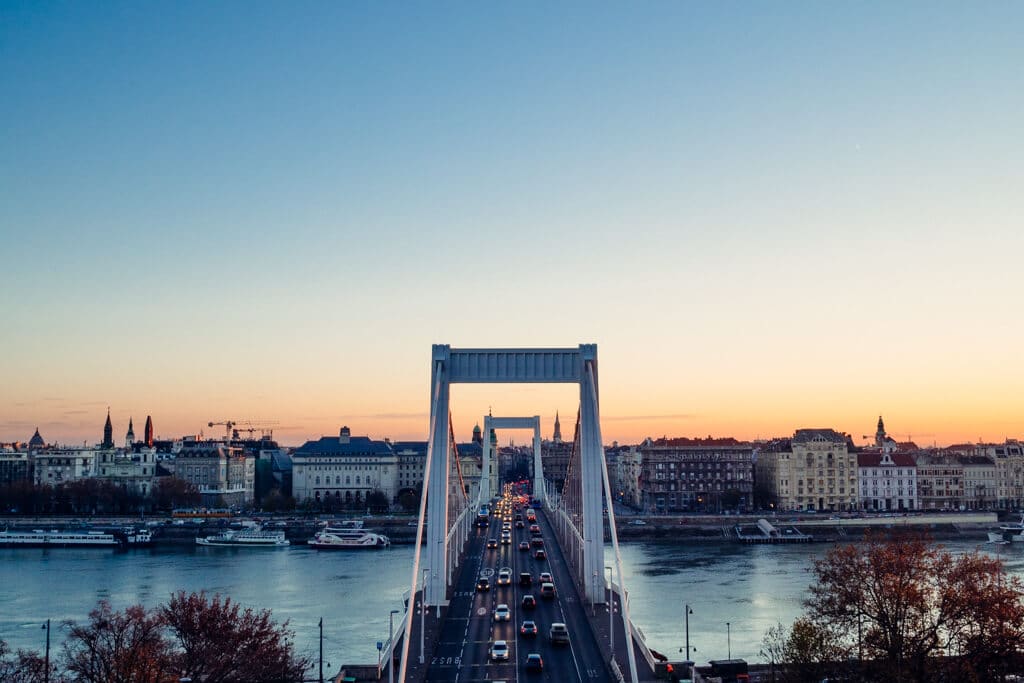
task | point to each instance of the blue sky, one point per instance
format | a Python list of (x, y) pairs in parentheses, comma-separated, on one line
[(734, 200)]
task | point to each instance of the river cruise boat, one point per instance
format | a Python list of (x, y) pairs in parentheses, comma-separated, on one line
[(246, 538), (112, 538), (1008, 533), (348, 536)]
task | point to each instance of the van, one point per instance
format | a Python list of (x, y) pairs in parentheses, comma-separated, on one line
[(559, 634)]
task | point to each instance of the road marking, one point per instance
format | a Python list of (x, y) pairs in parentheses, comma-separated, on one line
[(482, 611)]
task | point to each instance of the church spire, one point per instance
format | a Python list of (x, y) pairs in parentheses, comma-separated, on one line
[(880, 434), (108, 432), (129, 438), (148, 434), (557, 438)]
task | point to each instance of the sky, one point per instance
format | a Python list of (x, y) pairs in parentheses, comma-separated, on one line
[(767, 216)]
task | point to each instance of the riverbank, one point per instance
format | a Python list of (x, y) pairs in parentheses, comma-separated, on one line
[(401, 530)]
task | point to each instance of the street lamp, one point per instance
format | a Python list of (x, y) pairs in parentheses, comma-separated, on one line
[(687, 611), (611, 610), (423, 610), (391, 646), (46, 662), (728, 639)]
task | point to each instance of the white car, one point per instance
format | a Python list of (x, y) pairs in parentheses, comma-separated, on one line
[(505, 577), (499, 651), (638, 522), (502, 613)]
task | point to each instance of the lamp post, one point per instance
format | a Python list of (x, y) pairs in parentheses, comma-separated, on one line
[(423, 610), (46, 661), (687, 611), (611, 610), (728, 639), (391, 646), (321, 650)]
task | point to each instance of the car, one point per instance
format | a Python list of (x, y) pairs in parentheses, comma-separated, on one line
[(529, 602), (492, 543), (545, 577), (483, 584), (506, 540), (537, 541), (499, 651), (528, 629), (539, 554), (525, 579), (547, 591), (534, 663), (506, 526), (535, 529), (504, 576), (502, 613), (520, 524), (524, 545), (519, 517), (638, 522), (558, 634)]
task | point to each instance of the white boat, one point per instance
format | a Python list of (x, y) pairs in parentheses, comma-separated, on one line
[(1008, 533), (38, 538), (248, 538), (349, 536)]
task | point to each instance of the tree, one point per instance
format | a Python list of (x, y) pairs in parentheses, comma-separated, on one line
[(118, 647), (173, 492), (902, 603), (26, 666), (377, 501), (221, 643), (410, 501)]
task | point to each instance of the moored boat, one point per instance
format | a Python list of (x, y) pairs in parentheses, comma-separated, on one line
[(38, 538), (349, 536), (246, 538), (1008, 533)]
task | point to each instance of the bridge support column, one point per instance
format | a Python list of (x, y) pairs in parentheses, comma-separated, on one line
[(437, 492), (485, 464), (539, 491), (591, 462)]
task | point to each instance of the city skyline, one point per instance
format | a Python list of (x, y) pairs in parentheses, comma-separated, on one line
[(767, 218)]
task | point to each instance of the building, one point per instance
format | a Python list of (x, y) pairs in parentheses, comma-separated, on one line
[(940, 481), (888, 480), (411, 457), (816, 469), (224, 474), (131, 468), (682, 475), (980, 477), (14, 465), (628, 479), (346, 467), (554, 456), (1009, 461), (55, 465)]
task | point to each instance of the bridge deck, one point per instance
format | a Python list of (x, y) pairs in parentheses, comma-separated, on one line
[(466, 631)]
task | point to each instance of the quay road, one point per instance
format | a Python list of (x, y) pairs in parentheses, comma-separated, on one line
[(463, 649)]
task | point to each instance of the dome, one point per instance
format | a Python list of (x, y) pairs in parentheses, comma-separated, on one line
[(36, 440)]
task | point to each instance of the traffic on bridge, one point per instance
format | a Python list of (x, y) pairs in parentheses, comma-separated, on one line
[(515, 613)]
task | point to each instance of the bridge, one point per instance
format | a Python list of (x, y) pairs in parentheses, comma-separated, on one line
[(448, 627)]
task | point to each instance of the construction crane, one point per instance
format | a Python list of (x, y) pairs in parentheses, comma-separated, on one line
[(232, 428), (228, 426)]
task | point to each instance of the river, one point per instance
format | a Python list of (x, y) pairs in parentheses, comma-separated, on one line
[(750, 587)]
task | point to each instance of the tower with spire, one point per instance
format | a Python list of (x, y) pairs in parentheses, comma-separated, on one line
[(108, 433), (129, 438), (148, 433), (557, 438), (880, 433), (478, 435)]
